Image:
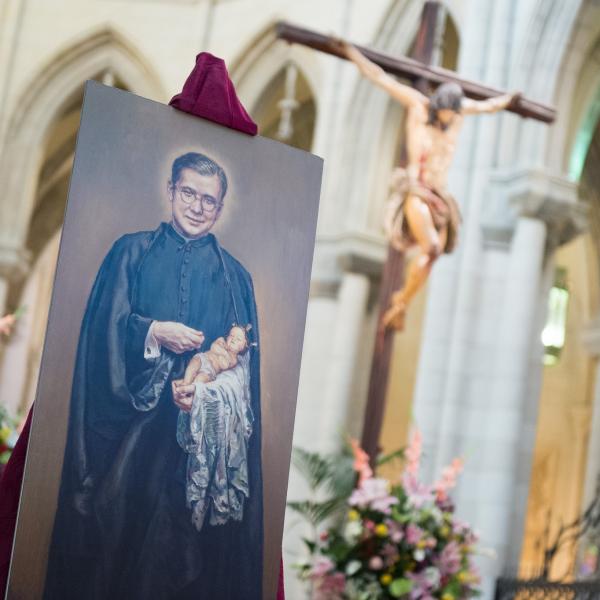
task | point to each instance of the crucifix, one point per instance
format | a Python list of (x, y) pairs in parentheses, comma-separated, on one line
[(421, 214)]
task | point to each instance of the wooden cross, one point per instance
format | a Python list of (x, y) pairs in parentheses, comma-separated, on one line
[(419, 71)]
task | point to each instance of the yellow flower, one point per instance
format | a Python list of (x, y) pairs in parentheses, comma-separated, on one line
[(386, 579), (447, 596), (353, 515), (463, 577), (381, 530), (422, 544), (445, 531), (5, 433)]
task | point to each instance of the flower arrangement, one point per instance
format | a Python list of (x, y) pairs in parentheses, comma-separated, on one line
[(393, 540), (8, 436)]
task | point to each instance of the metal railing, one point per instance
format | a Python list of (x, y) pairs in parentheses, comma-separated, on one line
[(540, 589)]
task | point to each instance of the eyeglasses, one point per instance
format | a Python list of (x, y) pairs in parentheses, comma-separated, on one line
[(207, 202)]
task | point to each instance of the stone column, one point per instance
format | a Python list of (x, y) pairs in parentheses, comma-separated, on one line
[(337, 309), (351, 310), (494, 494), (507, 390)]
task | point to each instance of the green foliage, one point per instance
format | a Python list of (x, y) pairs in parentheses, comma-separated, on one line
[(317, 512), (315, 468), (397, 455), (400, 587), (331, 476), (4, 418), (7, 435)]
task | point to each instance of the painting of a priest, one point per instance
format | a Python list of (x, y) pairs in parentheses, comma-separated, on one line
[(142, 441)]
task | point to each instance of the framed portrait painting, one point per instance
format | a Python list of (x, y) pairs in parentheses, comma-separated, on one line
[(160, 446)]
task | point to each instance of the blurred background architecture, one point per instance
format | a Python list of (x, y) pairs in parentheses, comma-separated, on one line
[(499, 360)]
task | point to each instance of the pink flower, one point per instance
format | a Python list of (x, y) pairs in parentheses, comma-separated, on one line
[(414, 534), (418, 493), (330, 587), (448, 479), (461, 528), (471, 537), (321, 566), (450, 559), (361, 462), (390, 554), (421, 586), (373, 493), (474, 573), (413, 452), (396, 532), (376, 563)]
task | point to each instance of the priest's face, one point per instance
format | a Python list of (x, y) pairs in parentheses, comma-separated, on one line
[(196, 202)]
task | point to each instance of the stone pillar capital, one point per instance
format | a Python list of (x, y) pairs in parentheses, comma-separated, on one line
[(362, 253), (536, 194), (551, 198)]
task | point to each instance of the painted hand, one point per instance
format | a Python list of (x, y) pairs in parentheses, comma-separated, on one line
[(177, 337), (183, 394)]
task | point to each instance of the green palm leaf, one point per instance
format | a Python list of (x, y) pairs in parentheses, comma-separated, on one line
[(318, 512), (316, 469)]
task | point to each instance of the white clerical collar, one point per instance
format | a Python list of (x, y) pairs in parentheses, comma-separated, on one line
[(181, 234)]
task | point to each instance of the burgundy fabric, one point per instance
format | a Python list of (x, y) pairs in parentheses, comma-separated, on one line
[(10, 492), (209, 93)]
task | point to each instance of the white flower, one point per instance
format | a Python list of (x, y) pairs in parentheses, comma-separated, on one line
[(433, 576), (419, 555), (437, 514), (352, 531), (352, 567)]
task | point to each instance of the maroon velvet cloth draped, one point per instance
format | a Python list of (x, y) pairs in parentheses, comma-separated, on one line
[(10, 492), (209, 93)]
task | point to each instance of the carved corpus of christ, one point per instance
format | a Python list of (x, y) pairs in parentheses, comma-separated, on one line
[(421, 214)]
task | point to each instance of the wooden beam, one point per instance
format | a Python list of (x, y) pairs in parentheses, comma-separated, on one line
[(413, 70), (393, 273)]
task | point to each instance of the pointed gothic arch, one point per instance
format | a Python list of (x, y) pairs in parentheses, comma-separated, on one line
[(35, 170), (264, 58), (54, 88)]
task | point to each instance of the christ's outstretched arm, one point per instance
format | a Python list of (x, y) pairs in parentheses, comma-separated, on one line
[(406, 95), (492, 105)]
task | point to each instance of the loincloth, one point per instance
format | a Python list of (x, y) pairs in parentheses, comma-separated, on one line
[(442, 206)]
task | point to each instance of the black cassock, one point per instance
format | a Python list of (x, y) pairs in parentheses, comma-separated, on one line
[(122, 529)]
